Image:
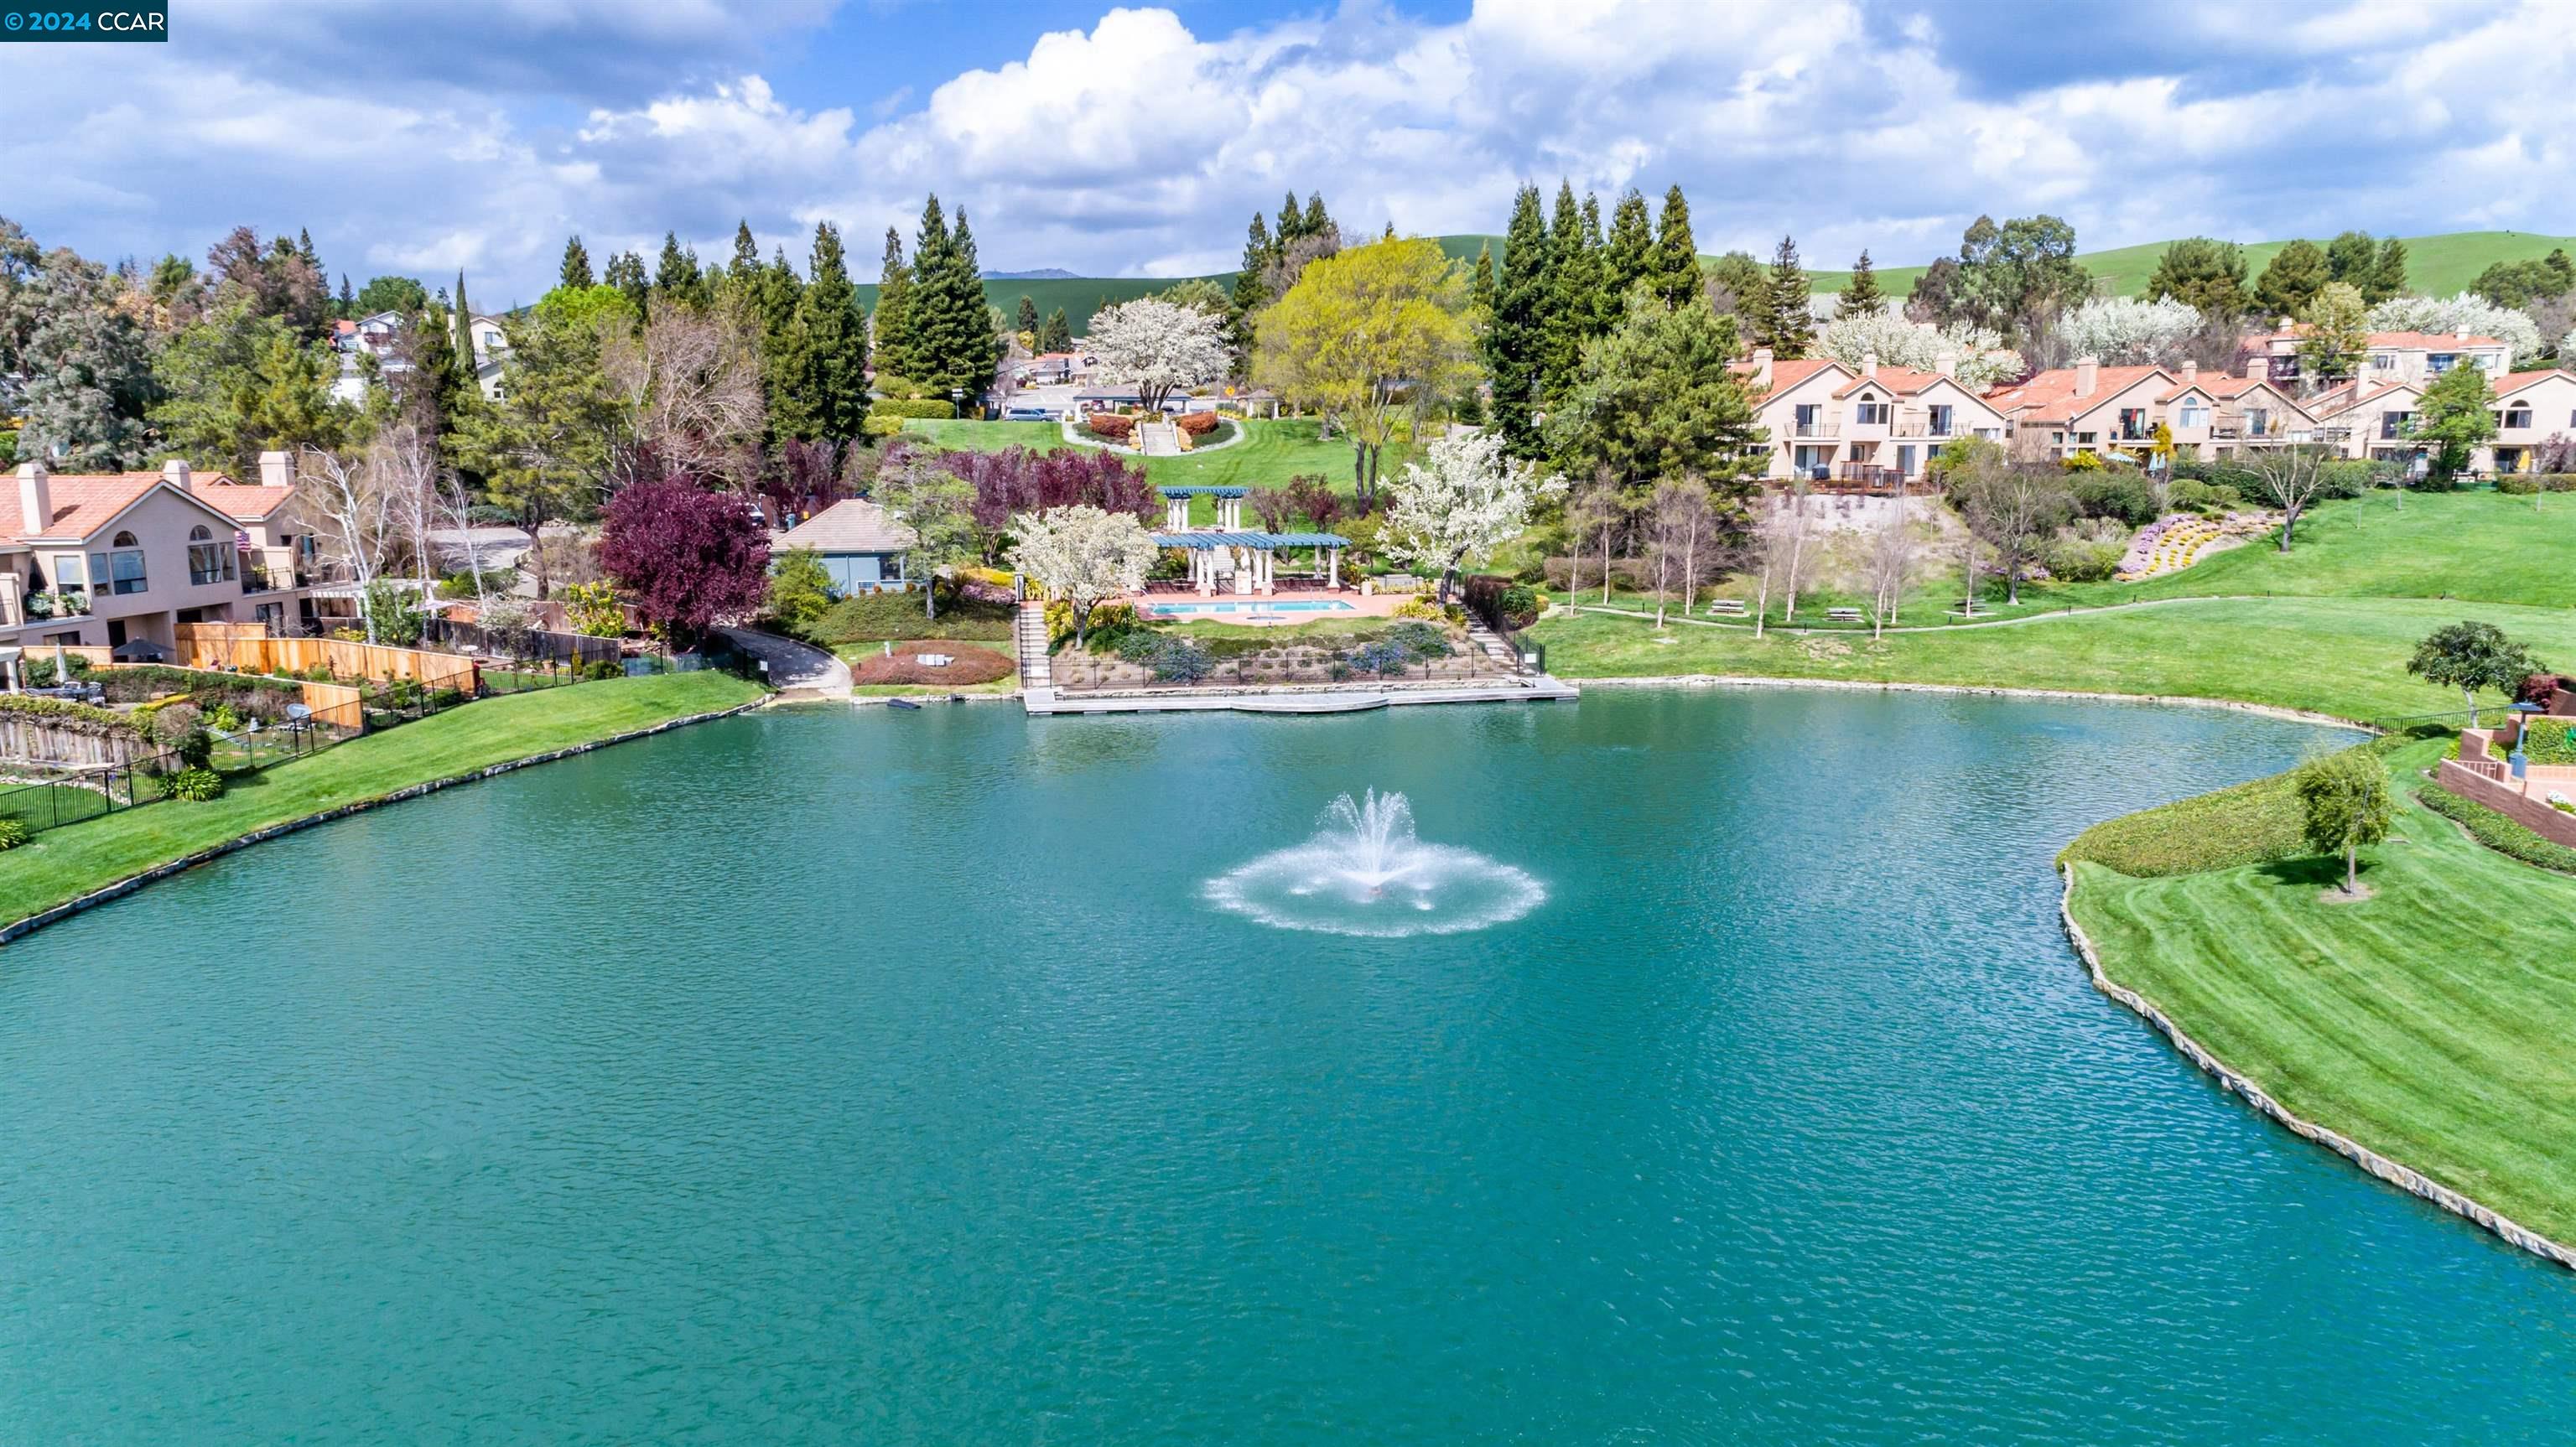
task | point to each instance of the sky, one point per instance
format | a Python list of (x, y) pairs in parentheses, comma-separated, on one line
[(478, 134)]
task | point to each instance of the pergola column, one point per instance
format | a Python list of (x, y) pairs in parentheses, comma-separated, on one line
[(1336, 555)]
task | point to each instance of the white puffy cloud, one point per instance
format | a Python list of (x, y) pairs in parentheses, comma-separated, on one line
[(1138, 145)]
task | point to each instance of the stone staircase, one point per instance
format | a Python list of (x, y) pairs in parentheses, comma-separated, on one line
[(1158, 439), (1029, 637), (1480, 636)]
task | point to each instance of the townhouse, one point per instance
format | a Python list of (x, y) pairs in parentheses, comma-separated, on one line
[(1872, 428), (2388, 358), (2116, 411), (118, 560)]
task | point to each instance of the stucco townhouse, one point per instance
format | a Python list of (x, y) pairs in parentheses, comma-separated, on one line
[(1871, 428)]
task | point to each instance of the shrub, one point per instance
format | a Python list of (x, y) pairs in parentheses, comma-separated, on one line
[(195, 784), (1182, 660), (223, 718), (876, 426), (594, 611), (603, 669), (403, 693), (2525, 484), (2499, 832), (2190, 495), (900, 407), (1421, 606), (447, 698), (1196, 424), (180, 727), (1110, 426), (875, 617), (2124, 496), (2083, 462), (2345, 479), (2078, 560), (1420, 640), (1110, 622), (12, 834), (1382, 657)]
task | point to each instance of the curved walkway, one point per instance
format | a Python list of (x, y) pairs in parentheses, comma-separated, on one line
[(1950, 627), (793, 666), (1073, 435)]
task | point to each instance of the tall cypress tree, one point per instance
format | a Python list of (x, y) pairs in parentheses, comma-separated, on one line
[(1786, 325), (576, 266), (827, 372), (1630, 246), (1674, 273), (464, 331), (1057, 336), (893, 322), (348, 299), (1570, 284), (1251, 292), (1862, 296), (1516, 338), (1480, 285)]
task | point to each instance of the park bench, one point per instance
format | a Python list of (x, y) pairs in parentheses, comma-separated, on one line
[(1727, 607), (1842, 615)]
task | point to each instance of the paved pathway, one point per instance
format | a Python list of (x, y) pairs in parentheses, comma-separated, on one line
[(2016, 621), (808, 670)]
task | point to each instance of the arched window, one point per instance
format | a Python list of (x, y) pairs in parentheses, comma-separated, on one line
[(198, 534), (125, 540), (208, 561)]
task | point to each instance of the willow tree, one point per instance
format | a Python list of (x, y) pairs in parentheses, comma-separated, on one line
[(1366, 336)]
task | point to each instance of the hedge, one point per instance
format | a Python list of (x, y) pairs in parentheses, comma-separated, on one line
[(925, 409), (1114, 426), (1492, 596), (65, 711), (2499, 832), (2525, 484), (1196, 424)]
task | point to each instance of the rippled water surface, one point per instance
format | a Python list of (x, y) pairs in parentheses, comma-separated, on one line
[(872, 1077)]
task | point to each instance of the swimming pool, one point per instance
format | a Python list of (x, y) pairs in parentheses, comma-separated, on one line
[(1184, 610)]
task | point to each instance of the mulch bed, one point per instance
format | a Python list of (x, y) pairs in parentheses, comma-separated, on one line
[(968, 664)]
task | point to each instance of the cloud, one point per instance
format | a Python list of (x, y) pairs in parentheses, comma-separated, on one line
[(1139, 146)]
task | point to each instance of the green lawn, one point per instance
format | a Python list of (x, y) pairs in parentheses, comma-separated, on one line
[(1269, 455), (62, 864), (2429, 1021), (2343, 656)]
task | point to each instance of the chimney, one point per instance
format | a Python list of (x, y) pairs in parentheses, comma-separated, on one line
[(175, 473), (1761, 368), (2088, 374), (1869, 364), (276, 469), (35, 499), (2190, 372), (1947, 364)]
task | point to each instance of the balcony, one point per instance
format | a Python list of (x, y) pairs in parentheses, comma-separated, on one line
[(1817, 427), (1868, 476), (1911, 427)]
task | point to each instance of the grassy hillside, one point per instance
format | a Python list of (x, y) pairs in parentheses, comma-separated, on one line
[(1270, 454), (2440, 265)]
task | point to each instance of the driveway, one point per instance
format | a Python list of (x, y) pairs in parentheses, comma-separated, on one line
[(802, 667)]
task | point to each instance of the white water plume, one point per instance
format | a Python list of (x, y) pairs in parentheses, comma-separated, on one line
[(1364, 873)]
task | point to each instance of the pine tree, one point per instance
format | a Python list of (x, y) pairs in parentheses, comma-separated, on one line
[(2388, 276), (826, 370), (1291, 225), (1571, 284), (1480, 285), (1318, 220), (465, 360), (675, 276), (348, 299), (1786, 325), (746, 251), (1027, 321), (1515, 339), (1674, 272), (1630, 247), (772, 297), (304, 248), (576, 266), (1862, 296), (626, 273), (1251, 292), (979, 352), (1058, 333), (951, 330), (892, 335)]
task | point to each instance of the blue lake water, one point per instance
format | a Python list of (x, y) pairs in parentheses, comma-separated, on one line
[(858, 1076)]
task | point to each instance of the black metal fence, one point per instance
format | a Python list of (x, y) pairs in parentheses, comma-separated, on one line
[(84, 794)]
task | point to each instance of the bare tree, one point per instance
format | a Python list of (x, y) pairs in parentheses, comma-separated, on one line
[(1676, 520), (2291, 477), (2014, 511), (407, 472), (456, 515), (692, 378), (1784, 539), (1600, 513), (1892, 559), (1702, 530), (353, 521)]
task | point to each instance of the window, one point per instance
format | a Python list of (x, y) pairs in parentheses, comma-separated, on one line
[(209, 561), (2195, 412), (1809, 418), (2133, 422), (121, 569), (2395, 424), (2518, 415), (70, 572), (1871, 412), (1943, 416), (2439, 362), (2383, 361)]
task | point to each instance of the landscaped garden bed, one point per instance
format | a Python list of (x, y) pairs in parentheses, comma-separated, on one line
[(1358, 652), (967, 664)]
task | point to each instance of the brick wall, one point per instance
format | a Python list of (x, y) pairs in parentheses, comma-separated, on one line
[(2532, 812)]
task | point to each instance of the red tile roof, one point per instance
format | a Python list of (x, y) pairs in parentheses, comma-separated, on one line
[(83, 502), (238, 500), (2516, 381), (2050, 396), (1784, 375), (1903, 381)]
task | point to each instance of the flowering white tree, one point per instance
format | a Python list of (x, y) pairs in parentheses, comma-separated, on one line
[(1083, 556), (2467, 312), (1471, 500), (2125, 330), (1158, 346), (1979, 353)]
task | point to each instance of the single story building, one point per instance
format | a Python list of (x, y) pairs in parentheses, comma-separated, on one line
[(861, 544)]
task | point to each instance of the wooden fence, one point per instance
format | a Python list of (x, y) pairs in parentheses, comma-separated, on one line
[(247, 648)]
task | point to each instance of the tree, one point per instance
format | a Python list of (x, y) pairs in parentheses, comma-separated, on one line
[(545, 450), (349, 503), (690, 380), (466, 360), (1629, 250), (1471, 499), (2335, 336), (2291, 477), (1890, 566), (576, 266), (2456, 414), (2344, 804), (2296, 274), (1656, 399), (2352, 258), (2119, 330), (1366, 333), (2516, 283), (938, 506), (823, 376), (2018, 277), (1572, 287), (1083, 556), (89, 376), (2203, 273), (2474, 658), (1787, 326), (948, 325), (1780, 542), (235, 384), (684, 556), (892, 335), (676, 279), (1158, 346), (800, 588), (1681, 525), (1739, 288), (1251, 292), (1861, 295), (1057, 334), (401, 294), (1977, 355), (1515, 334), (2466, 312), (625, 272), (277, 282), (2388, 278), (1028, 317), (1674, 272), (2014, 511)]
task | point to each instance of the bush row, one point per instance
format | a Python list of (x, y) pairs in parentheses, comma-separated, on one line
[(1196, 424), (2499, 832), (908, 407), (1110, 426), (2525, 484), (1497, 598)]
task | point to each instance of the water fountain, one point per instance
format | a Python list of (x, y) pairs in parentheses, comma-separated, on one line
[(1364, 873)]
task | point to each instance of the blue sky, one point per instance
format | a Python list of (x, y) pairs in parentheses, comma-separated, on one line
[(479, 133)]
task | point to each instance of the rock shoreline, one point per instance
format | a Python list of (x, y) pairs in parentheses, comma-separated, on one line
[(133, 882), (2395, 1173), (1738, 680)]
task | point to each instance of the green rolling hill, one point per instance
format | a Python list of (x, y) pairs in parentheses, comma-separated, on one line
[(2439, 265)]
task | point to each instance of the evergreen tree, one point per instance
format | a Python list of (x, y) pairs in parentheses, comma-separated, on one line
[(1739, 288), (979, 353), (746, 251), (950, 326), (1571, 286), (1480, 286), (434, 389), (1786, 326), (1862, 296), (893, 322), (1057, 335), (1629, 249), (1251, 292), (675, 276), (825, 371), (769, 299), (2297, 273), (1674, 273), (2207, 273), (464, 331), (2351, 257), (348, 299), (576, 267), (2388, 277), (1516, 337), (626, 273), (1027, 320), (1318, 220), (304, 249)]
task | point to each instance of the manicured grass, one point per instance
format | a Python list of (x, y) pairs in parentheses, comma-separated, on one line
[(871, 618), (2500, 832), (62, 864), (1270, 454), (2344, 656), (2429, 1021)]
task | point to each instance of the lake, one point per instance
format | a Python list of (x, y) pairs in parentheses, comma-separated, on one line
[(860, 1076)]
